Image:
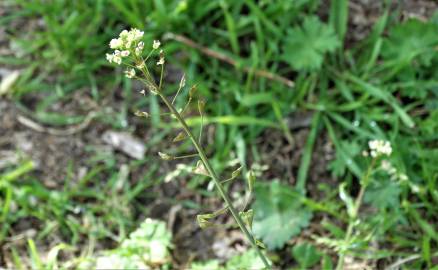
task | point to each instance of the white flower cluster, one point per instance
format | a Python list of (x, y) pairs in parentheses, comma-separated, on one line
[(127, 42), (379, 148)]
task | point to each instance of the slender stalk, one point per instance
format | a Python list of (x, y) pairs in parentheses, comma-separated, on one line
[(216, 180), (357, 204)]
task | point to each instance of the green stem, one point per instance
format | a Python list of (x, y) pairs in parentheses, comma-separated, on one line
[(216, 180), (364, 183)]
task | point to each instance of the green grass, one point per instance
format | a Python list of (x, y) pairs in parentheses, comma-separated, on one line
[(384, 86)]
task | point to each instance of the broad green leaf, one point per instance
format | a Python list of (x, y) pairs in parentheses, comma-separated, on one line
[(211, 265), (147, 245), (279, 214), (383, 194), (412, 39), (305, 46), (247, 260), (306, 255)]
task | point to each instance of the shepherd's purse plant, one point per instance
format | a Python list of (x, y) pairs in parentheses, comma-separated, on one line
[(129, 51)]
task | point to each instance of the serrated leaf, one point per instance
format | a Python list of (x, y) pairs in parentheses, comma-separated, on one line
[(412, 39), (305, 46), (306, 255), (279, 214), (211, 265), (383, 194), (148, 245), (340, 164), (246, 260)]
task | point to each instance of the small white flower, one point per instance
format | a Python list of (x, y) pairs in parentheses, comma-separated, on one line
[(136, 34), (110, 57), (124, 34), (143, 92), (130, 73), (161, 62), (114, 58), (116, 43), (117, 60), (380, 147), (124, 53), (128, 44), (139, 48), (156, 44)]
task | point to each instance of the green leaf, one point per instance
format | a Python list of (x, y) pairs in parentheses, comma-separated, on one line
[(327, 263), (383, 194), (306, 255), (339, 16), (305, 46), (247, 260), (279, 214), (147, 245), (412, 39), (211, 265)]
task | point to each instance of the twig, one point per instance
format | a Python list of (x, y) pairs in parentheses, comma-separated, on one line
[(403, 261), (258, 72), (57, 132), (400, 262)]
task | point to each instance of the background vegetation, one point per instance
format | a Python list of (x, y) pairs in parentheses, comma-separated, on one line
[(345, 73)]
